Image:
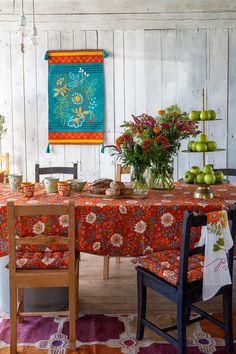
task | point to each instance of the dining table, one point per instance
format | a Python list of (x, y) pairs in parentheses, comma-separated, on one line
[(116, 227)]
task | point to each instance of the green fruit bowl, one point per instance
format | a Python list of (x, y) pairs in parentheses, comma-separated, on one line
[(225, 181)]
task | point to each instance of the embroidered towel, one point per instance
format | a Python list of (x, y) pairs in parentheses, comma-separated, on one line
[(218, 240), (75, 96)]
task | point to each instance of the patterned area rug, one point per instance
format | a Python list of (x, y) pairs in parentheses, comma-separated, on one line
[(106, 334)]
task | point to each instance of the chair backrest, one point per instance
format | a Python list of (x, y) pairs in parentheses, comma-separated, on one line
[(5, 160), (227, 171), (191, 221), (120, 170), (16, 211), (52, 170)]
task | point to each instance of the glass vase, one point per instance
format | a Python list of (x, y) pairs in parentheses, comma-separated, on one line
[(161, 175), (139, 179)]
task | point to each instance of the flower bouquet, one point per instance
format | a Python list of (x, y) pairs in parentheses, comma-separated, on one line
[(151, 143)]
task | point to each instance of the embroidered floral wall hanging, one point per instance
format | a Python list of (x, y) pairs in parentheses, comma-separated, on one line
[(75, 96)]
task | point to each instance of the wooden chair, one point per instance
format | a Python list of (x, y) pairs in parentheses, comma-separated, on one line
[(25, 277), (120, 170), (52, 170), (184, 293), (4, 159)]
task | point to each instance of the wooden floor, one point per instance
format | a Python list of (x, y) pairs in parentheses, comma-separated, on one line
[(118, 293)]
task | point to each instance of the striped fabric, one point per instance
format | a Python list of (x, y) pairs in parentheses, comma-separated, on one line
[(75, 96)]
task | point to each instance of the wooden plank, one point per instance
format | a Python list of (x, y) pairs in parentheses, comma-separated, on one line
[(18, 105), (153, 71), (217, 92), (119, 92), (139, 63), (42, 97), (129, 72), (169, 74), (7, 6), (125, 21), (6, 93), (122, 6), (106, 42), (90, 153), (31, 113), (232, 103)]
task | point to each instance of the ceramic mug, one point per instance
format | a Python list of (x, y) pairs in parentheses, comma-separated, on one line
[(27, 188), (64, 188), (77, 184), (15, 180), (50, 184)]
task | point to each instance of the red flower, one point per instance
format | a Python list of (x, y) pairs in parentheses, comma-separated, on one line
[(165, 126), (146, 144), (163, 141)]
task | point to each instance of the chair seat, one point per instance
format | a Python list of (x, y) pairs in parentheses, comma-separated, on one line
[(165, 264), (42, 260)]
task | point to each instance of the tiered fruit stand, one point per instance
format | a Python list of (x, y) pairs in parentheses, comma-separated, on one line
[(203, 190)]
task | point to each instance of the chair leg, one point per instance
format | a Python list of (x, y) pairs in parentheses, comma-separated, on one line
[(72, 314), (106, 267), (142, 304), (117, 260), (21, 304), (181, 325), (13, 321), (228, 321)]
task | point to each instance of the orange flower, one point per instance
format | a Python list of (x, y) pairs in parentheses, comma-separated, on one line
[(119, 141), (156, 129), (161, 112), (176, 114), (214, 217), (146, 144), (162, 140)]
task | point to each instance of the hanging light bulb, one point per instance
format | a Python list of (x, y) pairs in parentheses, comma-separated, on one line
[(34, 33)]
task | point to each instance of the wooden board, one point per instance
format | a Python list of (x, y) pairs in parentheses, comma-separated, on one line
[(134, 196)]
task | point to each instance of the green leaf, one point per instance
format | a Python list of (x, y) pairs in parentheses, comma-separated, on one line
[(221, 242), (216, 248)]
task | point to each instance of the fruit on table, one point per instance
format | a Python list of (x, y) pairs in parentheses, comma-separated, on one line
[(202, 138), (206, 176), (207, 169), (195, 170), (210, 178), (201, 147), (219, 176), (204, 115), (188, 177), (211, 114), (194, 146), (200, 178), (211, 145), (194, 115)]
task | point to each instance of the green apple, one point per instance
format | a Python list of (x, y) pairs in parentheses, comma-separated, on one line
[(219, 176), (194, 146), (204, 115), (201, 147), (210, 178), (188, 177), (200, 178), (202, 138), (211, 146), (195, 170), (191, 142), (207, 169), (211, 114), (194, 115)]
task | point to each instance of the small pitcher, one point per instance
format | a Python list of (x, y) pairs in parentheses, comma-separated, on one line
[(50, 184), (15, 180), (27, 188), (64, 188)]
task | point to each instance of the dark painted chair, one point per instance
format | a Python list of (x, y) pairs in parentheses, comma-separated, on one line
[(184, 294), (52, 170), (227, 171)]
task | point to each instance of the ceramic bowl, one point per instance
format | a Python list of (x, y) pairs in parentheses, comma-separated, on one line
[(77, 185)]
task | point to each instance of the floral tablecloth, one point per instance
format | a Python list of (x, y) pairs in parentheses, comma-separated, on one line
[(121, 227)]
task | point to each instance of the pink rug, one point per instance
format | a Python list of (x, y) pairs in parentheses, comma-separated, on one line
[(106, 334)]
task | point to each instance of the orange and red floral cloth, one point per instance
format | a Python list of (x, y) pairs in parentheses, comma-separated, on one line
[(121, 227)]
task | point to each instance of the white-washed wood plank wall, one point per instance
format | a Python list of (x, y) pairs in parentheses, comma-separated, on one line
[(146, 70)]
